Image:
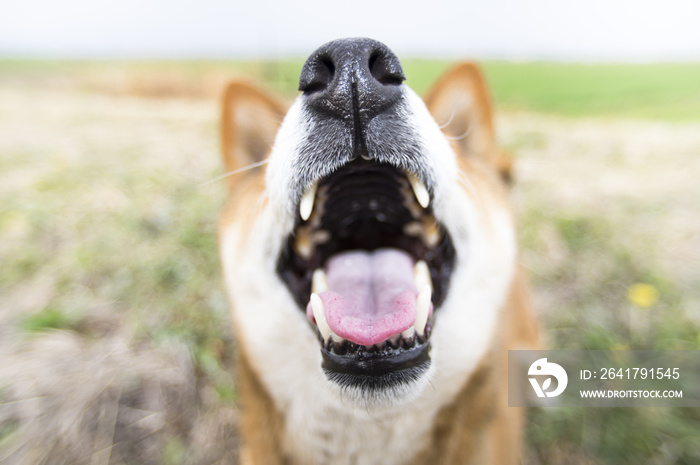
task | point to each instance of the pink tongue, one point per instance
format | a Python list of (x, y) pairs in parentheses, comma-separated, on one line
[(371, 295)]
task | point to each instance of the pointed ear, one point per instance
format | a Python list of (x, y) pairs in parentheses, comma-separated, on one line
[(461, 105), (250, 119)]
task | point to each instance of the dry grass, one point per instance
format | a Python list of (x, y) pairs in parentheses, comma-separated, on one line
[(103, 361), (635, 179), (114, 333)]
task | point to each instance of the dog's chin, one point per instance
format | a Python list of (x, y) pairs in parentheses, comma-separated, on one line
[(387, 375), (390, 389)]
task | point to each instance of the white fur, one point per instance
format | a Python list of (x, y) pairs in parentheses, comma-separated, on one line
[(323, 426), (293, 131)]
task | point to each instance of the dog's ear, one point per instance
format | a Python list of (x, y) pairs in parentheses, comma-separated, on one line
[(461, 105), (250, 119)]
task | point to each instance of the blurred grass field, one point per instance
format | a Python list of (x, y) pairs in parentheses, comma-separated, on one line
[(660, 91), (114, 329)]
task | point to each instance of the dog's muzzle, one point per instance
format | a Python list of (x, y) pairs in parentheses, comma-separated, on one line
[(367, 259)]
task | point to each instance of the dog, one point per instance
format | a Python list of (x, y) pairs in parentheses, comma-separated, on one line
[(369, 255)]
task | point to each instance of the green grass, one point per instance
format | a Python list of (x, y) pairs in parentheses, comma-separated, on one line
[(49, 318), (664, 91), (599, 260)]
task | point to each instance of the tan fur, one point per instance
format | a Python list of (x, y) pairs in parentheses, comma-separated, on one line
[(477, 427), (249, 121), (461, 104), (262, 423)]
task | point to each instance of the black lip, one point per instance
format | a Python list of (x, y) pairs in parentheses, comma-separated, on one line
[(373, 370)]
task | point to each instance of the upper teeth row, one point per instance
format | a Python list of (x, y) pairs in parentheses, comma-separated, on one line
[(306, 206), (421, 279)]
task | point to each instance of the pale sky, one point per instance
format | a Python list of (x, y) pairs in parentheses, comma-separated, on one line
[(510, 29)]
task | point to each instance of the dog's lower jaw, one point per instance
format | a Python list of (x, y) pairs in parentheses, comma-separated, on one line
[(316, 428)]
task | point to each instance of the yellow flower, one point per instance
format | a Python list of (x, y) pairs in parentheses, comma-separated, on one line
[(642, 295)]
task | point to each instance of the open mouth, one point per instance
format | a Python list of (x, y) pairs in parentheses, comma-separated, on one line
[(369, 263)]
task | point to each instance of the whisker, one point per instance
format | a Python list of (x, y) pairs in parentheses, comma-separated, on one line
[(463, 136), (448, 121), (231, 173), (464, 180), (259, 205)]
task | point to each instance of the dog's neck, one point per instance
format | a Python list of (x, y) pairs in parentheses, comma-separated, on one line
[(318, 429), (323, 433), (329, 434)]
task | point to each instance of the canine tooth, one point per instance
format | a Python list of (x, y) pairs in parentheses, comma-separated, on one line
[(422, 309), (336, 338), (306, 206), (319, 281), (319, 315), (421, 275), (420, 191), (409, 201), (409, 333)]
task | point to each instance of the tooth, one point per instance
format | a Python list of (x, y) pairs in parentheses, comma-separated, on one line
[(321, 236), (320, 317), (408, 334), (419, 190), (319, 282), (337, 338), (431, 233), (303, 243), (306, 206), (414, 228), (421, 275), (422, 310)]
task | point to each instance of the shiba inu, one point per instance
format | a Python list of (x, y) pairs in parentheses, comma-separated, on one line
[(369, 254)]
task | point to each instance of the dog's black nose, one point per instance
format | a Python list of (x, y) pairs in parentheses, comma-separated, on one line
[(353, 80)]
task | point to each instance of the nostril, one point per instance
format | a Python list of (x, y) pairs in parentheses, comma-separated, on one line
[(317, 76), (386, 70)]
